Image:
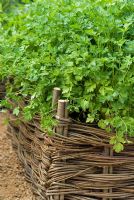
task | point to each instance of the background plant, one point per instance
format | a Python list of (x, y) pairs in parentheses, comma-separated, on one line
[(86, 48)]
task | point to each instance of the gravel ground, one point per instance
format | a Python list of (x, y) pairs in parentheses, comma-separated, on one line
[(13, 185)]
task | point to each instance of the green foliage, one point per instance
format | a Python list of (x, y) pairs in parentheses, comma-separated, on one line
[(11, 5), (84, 47), (6, 5), (16, 111)]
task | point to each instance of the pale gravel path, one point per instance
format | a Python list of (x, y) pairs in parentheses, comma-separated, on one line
[(13, 185)]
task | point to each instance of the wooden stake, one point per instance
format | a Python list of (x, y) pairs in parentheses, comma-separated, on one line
[(66, 117), (62, 113), (56, 96), (55, 99), (108, 151), (105, 169), (110, 168)]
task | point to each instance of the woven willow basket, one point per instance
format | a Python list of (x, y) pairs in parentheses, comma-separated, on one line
[(76, 163)]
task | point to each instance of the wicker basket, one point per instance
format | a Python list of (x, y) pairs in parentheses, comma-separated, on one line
[(76, 163)]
